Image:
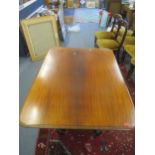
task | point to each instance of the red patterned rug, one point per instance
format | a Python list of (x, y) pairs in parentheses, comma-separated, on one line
[(83, 142)]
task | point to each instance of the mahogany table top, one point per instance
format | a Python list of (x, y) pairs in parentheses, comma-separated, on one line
[(78, 89)]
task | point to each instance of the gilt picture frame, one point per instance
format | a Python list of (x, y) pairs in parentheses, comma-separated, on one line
[(41, 34)]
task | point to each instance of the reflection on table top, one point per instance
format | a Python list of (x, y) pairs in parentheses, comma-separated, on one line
[(80, 89)]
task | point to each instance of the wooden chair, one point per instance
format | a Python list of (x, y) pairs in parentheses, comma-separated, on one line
[(129, 50), (129, 40), (114, 44), (112, 33), (130, 37), (128, 47)]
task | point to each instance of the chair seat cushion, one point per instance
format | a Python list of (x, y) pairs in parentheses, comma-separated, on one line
[(121, 31), (130, 49), (128, 40), (107, 43), (104, 35), (133, 61)]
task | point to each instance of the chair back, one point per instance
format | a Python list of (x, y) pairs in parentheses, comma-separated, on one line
[(124, 24), (117, 18)]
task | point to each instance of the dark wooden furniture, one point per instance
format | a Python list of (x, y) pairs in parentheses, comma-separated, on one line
[(112, 34), (78, 89), (108, 43), (117, 18)]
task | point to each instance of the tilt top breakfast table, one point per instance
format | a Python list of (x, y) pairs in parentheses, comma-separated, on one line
[(78, 89)]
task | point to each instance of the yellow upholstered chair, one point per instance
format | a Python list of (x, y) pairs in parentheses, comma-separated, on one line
[(114, 44), (133, 61), (127, 41), (128, 48), (129, 32), (112, 33), (121, 31)]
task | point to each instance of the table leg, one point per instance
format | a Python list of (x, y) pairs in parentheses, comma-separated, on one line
[(123, 56), (117, 55), (97, 133), (61, 131)]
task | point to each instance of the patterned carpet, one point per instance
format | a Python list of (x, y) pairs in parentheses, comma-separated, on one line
[(84, 15), (83, 142)]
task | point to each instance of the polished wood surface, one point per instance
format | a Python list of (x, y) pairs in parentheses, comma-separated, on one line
[(80, 89)]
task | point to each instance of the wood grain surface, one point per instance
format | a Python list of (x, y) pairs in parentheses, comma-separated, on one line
[(78, 89)]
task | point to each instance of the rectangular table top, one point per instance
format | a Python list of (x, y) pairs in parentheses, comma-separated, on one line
[(78, 89)]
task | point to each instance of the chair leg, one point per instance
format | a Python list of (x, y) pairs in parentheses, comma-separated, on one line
[(131, 70), (61, 131), (123, 56), (96, 46), (95, 42), (97, 133), (117, 55)]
